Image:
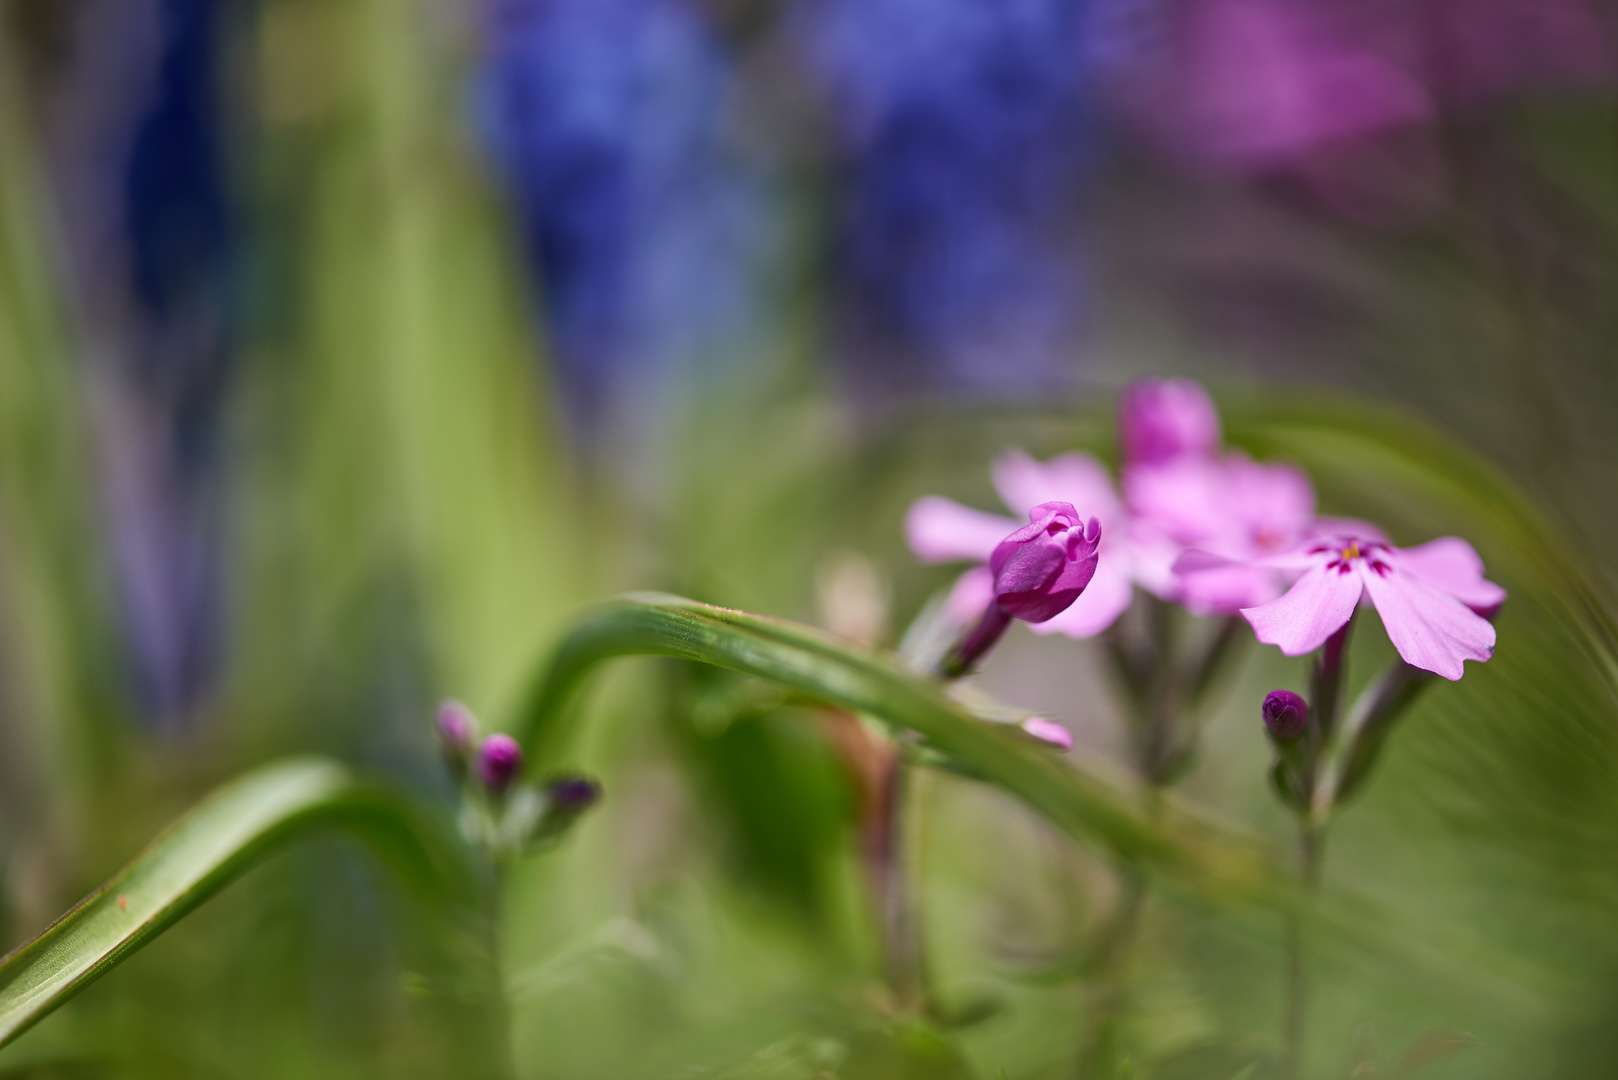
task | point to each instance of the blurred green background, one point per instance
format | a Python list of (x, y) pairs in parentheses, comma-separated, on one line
[(349, 348)]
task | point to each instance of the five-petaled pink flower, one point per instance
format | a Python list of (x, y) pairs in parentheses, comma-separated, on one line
[(1433, 600)]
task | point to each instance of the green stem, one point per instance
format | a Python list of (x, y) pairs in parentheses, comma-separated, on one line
[(1295, 1006), (902, 955)]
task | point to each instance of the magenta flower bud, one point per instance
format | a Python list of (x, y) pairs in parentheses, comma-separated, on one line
[(1286, 715), (1040, 569), (457, 731), (499, 762), (1164, 419)]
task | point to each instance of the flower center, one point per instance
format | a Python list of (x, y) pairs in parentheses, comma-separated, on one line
[(1352, 551)]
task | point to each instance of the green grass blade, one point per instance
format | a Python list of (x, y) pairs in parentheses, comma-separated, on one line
[(1082, 795), (201, 853)]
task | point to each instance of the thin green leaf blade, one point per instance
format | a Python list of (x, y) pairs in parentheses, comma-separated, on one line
[(216, 842)]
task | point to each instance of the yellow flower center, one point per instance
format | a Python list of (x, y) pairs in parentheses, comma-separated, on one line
[(1352, 551)]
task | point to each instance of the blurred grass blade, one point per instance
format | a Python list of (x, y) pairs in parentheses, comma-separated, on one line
[(200, 854), (1085, 796)]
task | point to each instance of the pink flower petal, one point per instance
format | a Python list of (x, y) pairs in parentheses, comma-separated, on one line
[(1311, 611), (1049, 732), (941, 530), (1431, 629), (1071, 478), (1108, 596), (1228, 589), (971, 595), (1452, 565), (1187, 498)]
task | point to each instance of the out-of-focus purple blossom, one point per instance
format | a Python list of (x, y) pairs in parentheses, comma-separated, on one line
[(962, 126), (645, 223), (457, 734), (1163, 420), (499, 762), (1266, 85)]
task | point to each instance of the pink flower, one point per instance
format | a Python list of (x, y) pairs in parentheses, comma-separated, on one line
[(1162, 420), (941, 530), (1232, 507), (1433, 599)]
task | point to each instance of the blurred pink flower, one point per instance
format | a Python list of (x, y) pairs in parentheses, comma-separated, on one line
[(1433, 599), (1263, 85), (1230, 506), (1162, 420)]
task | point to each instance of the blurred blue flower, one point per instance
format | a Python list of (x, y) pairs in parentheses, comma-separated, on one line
[(644, 221), (962, 128), (140, 176)]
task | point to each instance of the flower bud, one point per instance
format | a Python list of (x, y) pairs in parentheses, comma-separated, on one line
[(457, 736), (499, 762), (1164, 419), (1286, 715), (1040, 569)]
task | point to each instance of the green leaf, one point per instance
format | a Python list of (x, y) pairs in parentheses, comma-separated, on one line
[(1083, 795), (236, 827)]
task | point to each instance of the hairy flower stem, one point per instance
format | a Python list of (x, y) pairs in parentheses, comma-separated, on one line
[(1295, 1004)]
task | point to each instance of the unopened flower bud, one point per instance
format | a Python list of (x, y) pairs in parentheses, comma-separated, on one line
[(1040, 569), (565, 799), (572, 793), (1286, 715), (457, 736), (1164, 419), (499, 762)]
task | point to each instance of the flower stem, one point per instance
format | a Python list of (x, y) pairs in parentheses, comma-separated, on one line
[(901, 940), (964, 656), (1295, 1006)]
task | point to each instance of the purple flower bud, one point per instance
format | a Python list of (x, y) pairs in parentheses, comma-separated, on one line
[(572, 793), (499, 762), (1286, 715), (1163, 419), (1040, 569), (456, 730)]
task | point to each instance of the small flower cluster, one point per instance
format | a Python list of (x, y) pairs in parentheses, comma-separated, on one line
[(1219, 534), (499, 810), (1210, 530)]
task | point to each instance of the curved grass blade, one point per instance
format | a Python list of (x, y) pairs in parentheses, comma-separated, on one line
[(1085, 796), (233, 829)]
